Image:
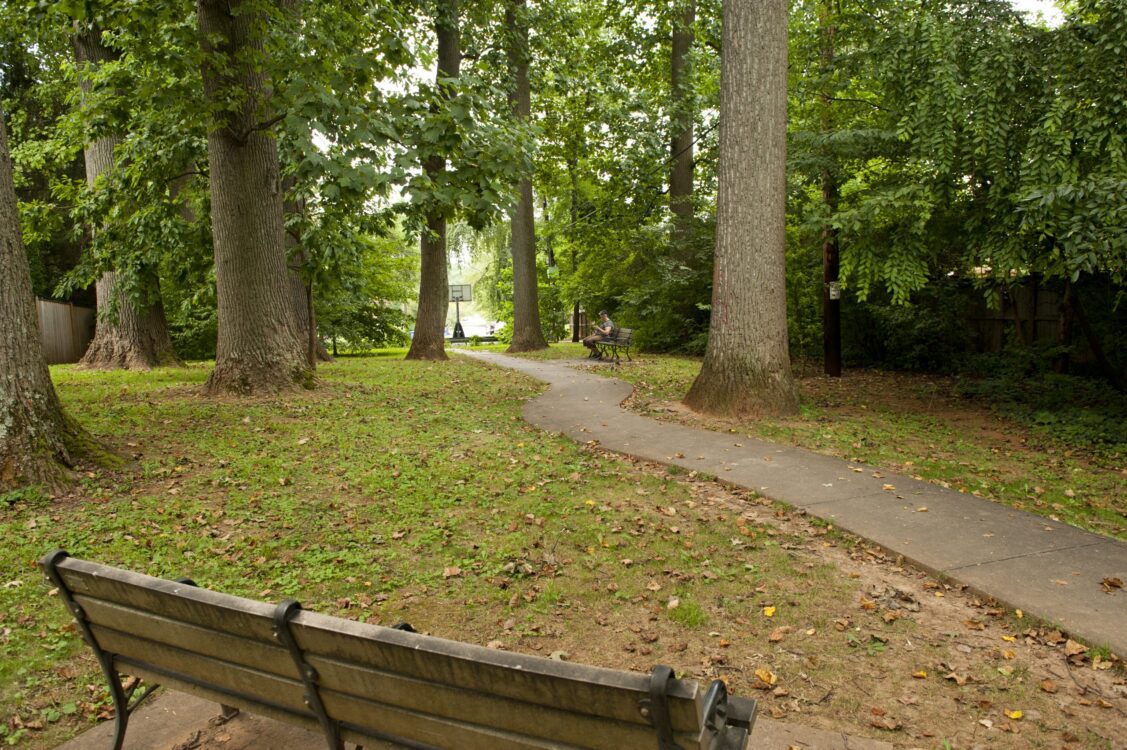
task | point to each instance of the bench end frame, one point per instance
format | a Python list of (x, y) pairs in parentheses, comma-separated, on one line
[(124, 702)]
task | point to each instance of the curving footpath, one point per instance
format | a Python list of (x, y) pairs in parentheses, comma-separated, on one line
[(1048, 569)]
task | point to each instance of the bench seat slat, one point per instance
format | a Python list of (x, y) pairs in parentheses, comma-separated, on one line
[(348, 683), (177, 601), (571, 687), (273, 659), (271, 688)]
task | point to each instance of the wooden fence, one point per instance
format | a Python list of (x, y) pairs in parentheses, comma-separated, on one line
[(1029, 312), (66, 330)]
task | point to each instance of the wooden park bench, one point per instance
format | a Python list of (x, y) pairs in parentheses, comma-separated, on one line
[(622, 338), (369, 684)]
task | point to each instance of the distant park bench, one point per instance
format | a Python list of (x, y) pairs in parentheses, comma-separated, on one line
[(369, 684), (471, 339), (622, 338)]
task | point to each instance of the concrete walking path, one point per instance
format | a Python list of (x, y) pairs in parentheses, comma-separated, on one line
[(1047, 569)]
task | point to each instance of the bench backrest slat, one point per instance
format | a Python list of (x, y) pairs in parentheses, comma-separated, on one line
[(246, 652), (351, 692), (177, 601), (572, 687), (622, 337), (236, 679)]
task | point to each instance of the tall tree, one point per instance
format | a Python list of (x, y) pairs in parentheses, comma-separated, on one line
[(681, 144), (527, 333), (429, 341), (260, 347), (746, 368), (831, 250), (38, 442), (131, 330)]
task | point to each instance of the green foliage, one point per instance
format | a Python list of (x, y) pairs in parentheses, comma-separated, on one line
[(930, 334), (1079, 411)]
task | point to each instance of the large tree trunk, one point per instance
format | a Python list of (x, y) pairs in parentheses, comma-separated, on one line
[(527, 334), (746, 369), (681, 145), (429, 341), (38, 442), (131, 333), (260, 348)]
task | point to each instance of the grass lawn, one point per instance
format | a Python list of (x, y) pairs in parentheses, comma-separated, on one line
[(414, 491)]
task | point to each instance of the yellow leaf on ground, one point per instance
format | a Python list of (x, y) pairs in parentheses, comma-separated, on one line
[(920, 675), (1018, 614), (766, 676), (1009, 638), (1015, 715), (768, 611)]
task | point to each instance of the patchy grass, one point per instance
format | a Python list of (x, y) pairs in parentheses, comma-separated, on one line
[(414, 491), (923, 426)]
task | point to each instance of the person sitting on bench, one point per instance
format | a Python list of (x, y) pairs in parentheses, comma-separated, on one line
[(603, 330)]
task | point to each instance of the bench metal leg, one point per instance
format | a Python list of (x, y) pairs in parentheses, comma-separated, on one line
[(124, 704)]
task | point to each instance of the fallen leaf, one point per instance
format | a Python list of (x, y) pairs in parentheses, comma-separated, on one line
[(1009, 638), (888, 487), (1008, 654), (1015, 715), (1072, 648), (958, 679), (920, 675), (767, 677), (1111, 583), (884, 722), (1048, 686), (777, 634), (451, 572), (673, 603), (768, 611), (922, 509)]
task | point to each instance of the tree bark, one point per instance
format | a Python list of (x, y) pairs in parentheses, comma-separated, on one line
[(831, 251), (746, 370), (681, 145), (130, 333), (38, 442), (260, 348), (573, 174), (527, 333), (429, 340), (302, 290)]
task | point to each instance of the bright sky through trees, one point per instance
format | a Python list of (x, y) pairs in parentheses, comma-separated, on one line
[(1046, 8)]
